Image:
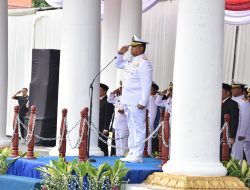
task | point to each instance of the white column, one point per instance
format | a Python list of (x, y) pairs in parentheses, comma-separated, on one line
[(130, 24), (79, 63), (3, 70), (198, 73), (110, 40)]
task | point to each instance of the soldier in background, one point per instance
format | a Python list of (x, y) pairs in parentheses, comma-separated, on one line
[(23, 107), (230, 107), (105, 116), (152, 110), (242, 141), (120, 124)]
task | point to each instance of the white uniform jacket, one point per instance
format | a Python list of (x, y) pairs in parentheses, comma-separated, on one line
[(244, 117), (120, 120), (137, 79), (152, 110), (164, 103)]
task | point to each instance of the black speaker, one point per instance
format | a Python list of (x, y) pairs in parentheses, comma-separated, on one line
[(44, 93)]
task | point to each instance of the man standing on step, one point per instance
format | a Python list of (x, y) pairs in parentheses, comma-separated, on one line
[(136, 91)]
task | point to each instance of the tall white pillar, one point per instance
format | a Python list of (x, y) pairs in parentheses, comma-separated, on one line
[(110, 40), (3, 70), (195, 128), (130, 24), (79, 63)]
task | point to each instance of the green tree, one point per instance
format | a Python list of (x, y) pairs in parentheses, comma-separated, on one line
[(39, 3)]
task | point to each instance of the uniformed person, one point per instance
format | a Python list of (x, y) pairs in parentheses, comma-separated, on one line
[(167, 101), (247, 141), (120, 122), (105, 117), (136, 91), (230, 107), (23, 107), (164, 99), (152, 110), (243, 133)]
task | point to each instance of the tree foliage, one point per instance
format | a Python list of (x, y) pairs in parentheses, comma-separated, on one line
[(39, 3)]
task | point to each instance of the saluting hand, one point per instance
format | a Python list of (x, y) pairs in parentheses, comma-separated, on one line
[(123, 50), (116, 91)]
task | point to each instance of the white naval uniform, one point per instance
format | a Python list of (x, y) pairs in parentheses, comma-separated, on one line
[(152, 110), (243, 130), (120, 125), (136, 90), (165, 103)]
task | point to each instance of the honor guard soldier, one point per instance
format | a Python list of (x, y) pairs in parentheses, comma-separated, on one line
[(152, 110), (242, 141), (230, 107), (164, 99), (135, 95), (120, 122)]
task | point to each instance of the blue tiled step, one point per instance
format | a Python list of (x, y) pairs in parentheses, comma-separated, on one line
[(12, 182)]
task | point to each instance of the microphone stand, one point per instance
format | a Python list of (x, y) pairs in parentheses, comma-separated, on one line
[(91, 106)]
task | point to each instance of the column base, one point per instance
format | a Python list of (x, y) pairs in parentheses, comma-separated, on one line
[(4, 142), (195, 182), (194, 169)]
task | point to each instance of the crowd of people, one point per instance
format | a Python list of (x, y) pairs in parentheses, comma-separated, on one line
[(123, 111), (236, 103), (131, 105)]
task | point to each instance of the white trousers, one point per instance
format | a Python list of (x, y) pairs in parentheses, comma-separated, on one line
[(122, 143), (247, 151), (137, 130), (237, 149), (151, 129)]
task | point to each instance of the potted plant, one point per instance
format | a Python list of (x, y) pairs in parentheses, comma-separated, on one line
[(57, 174), (5, 162)]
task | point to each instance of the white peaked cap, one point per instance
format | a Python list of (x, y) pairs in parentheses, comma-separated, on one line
[(136, 39)]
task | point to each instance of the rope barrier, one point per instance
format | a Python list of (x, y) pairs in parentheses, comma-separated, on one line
[(96, 132)]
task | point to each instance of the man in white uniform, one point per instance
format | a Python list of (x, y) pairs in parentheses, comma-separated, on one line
[(242, 141), (136, 91), (120, 122), (152, 110), (247, 139)]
